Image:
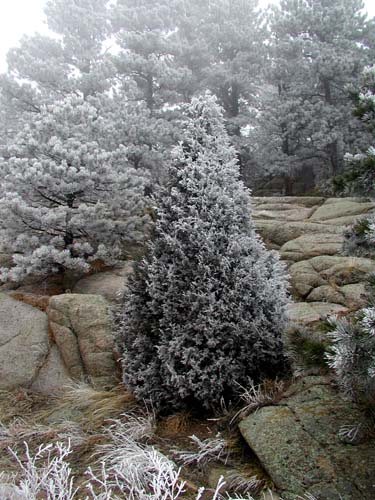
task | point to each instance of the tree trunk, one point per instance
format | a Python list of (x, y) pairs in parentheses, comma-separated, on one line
[(150, 93)]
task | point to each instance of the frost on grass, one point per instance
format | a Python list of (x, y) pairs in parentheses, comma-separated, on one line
[(138, 471), (130, 466), (135, 472), (44, 474), (240, 484), (255, 396), (20, 431), (207, 450)]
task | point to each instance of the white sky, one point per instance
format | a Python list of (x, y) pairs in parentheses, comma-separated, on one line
[(18, 17)]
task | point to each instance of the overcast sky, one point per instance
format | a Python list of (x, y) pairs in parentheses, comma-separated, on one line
[(18, 17)]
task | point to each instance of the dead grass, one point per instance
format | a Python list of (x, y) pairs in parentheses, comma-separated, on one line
[(174, 425), (96, 406), (84, 415)]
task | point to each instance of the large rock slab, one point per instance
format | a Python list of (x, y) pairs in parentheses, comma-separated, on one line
[(108, 284), (335, 208), (353, 296), (279, 233), (282, 211), (53, 376), (82, 329), (328, 270), (308, 314), (304, 201), (312, 245), (23, 343), (299, 445)]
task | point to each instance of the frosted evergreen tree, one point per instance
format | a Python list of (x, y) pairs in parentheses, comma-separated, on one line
[(46, 68), (352, 354), (359, 176), (317, 51), (206, 308), (65, 200), (143, 30)]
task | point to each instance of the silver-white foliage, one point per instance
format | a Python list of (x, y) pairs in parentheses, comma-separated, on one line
[(352, 355), (46, 472), (207, 306), (207, 450), (65, 199), (140, 472)]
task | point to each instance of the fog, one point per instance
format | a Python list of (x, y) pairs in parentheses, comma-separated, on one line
[(19, 17)]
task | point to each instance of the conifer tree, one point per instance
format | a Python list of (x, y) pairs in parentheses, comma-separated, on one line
[(318, 49), (206, 307), (143, 30), (65, 199)]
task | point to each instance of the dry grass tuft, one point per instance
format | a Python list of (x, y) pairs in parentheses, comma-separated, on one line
[(247, 481), (174, 425), (96, 406), (21, 404), (255, 396)]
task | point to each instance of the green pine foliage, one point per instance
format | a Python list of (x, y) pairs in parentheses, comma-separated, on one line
[(206, 308), (359, 177), (352, 356)]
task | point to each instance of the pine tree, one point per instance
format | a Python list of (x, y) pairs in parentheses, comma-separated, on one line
[(143, 30), (223, 44), (66, 200), (206, 308), (318, 49), (44, 69), (359, 175)]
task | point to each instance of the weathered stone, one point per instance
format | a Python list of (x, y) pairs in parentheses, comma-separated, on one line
[(353, 296), (304, 314), (298, 444), (53, 375), (280, 233), (341, 207), (339, 271), (81, 327), (281, 211), (23, 343), (305, 201), (328, 270), (38, 301), (326, 293), (108, 284), (312, 245), (341, 222), (356, 295), (304, 278)]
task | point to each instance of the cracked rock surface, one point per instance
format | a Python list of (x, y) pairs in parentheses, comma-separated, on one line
[(298, 442), (23, 343), (81, 328), (308, 233)]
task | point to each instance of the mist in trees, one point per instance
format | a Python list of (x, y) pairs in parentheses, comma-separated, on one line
[(284, 78), (317, 52)]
